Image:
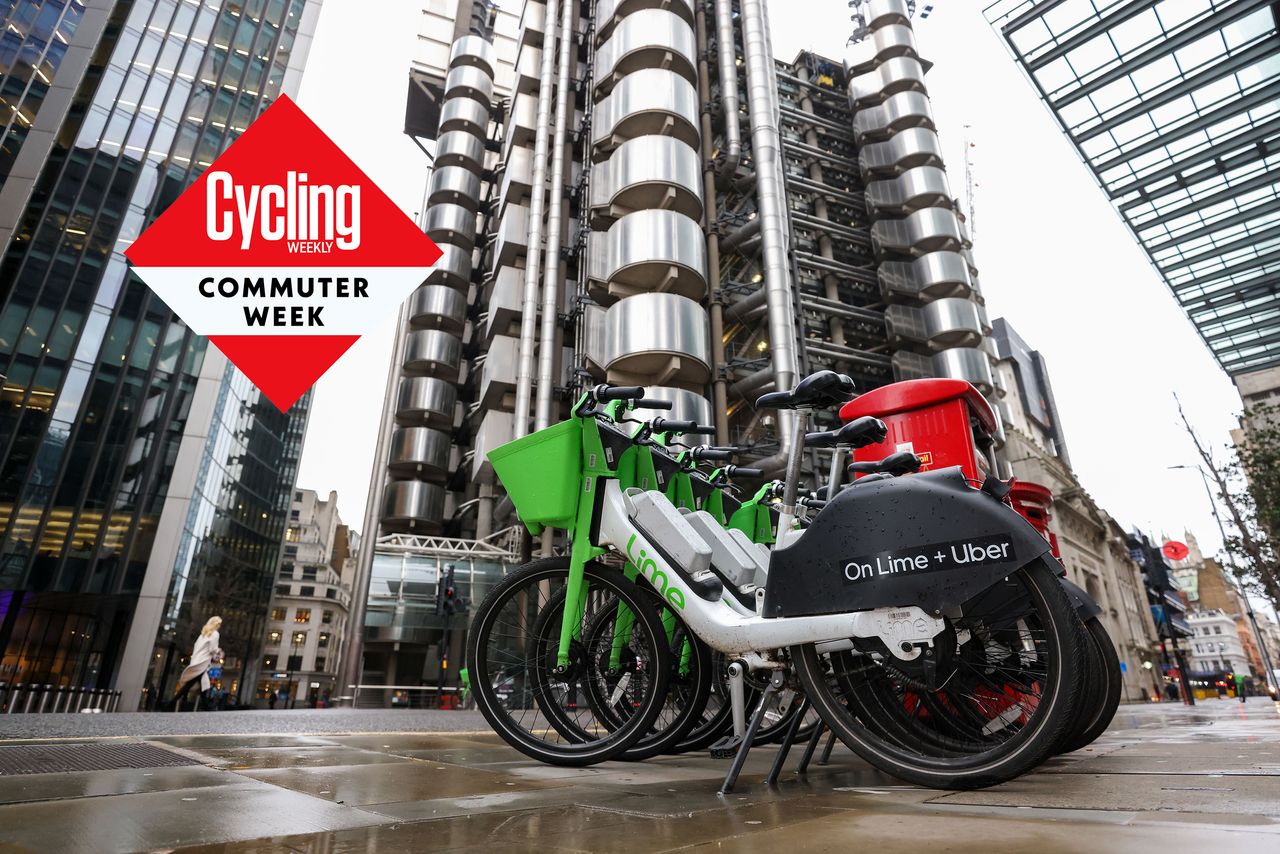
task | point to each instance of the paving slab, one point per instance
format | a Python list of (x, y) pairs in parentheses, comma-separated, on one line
[(1257, 796), (407, 780), (1165, 778), (168, 819), (93, 784)]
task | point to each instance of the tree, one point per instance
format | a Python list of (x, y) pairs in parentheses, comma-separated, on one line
[(1248, 486)]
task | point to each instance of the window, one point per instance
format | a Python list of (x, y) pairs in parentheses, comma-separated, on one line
[(286, 570), (273, 637), (302, 615), (320, 662), (1217, 630), (326, 617), (278, 613), (331, 593), (268, 662), (282, 590), (295, 662), (293, 514), (299, 638), (308, 573), (307, 591), (323, 640)]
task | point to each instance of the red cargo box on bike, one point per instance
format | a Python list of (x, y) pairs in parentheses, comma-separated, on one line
[(945, 422)]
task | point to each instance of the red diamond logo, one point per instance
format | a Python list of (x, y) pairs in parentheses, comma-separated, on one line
[(283, 253)]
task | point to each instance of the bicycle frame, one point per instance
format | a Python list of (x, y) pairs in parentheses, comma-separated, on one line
[(720, 624)]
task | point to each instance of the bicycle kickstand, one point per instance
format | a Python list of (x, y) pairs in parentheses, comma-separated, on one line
[(809, 748), (740, 758), (787, 741)]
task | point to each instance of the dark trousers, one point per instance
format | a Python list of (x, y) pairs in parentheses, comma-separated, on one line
[(182, 691)]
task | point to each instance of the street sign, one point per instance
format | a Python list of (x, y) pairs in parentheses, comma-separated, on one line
[(1175, 550)]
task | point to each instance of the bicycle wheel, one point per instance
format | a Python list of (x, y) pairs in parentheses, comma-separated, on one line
[(997, 698), (717, 715), (688, 688), (1100, 708), (527, 698)]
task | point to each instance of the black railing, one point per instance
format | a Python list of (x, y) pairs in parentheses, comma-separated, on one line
[(25, 698)]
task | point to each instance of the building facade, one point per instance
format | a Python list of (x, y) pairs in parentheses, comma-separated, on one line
[(308, 623), (1090, 543), (1172, 106), (144, 483), (644, 194), (1215, 646)]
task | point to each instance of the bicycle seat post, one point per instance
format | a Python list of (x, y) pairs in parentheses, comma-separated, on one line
[(791, 485)]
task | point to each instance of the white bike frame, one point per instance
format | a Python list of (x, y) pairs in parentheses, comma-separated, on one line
[(723, 626)]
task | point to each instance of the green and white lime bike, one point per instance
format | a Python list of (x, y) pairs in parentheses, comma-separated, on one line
[(919, 616)]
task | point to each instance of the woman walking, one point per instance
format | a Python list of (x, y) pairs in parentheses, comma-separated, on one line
[(202, 655)]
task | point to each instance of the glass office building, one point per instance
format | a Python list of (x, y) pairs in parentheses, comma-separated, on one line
[(143, 482), (1175, 108)]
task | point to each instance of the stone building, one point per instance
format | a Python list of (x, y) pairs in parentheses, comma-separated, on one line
[(307, 622), (1092, 545)]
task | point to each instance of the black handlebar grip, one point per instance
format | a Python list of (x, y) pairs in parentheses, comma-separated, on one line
[(711, 454), (821, 439), (702, 430), (652, 403), (618, 392), (671, 425), (745, 471)]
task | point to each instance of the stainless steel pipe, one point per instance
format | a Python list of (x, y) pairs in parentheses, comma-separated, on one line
[(551, 279), (533, 260)]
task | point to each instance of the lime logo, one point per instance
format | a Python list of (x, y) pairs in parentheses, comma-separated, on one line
[(649, 569)]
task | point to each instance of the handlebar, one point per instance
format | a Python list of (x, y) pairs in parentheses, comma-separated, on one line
[(652, 403), (743, 471), (671, 425), (604, 392), (706, 453)]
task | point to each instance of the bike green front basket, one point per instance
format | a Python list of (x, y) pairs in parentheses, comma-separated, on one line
[(542, 473)]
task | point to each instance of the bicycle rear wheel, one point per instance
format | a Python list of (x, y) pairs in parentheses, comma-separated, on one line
[(996, 700), (1099, 707), (542, 709)]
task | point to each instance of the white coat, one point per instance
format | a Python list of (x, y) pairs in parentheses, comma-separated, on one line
[(201, 657)]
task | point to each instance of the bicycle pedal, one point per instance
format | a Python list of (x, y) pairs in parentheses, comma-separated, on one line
[(727, 747)]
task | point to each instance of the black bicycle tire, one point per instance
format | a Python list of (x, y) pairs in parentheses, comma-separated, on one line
[(1010, 759), (575, 755)]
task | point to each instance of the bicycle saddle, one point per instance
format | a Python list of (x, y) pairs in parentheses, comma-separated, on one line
[(859, 433), (821, 389)]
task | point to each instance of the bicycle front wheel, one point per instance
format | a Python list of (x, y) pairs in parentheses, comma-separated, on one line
[(540, 706)]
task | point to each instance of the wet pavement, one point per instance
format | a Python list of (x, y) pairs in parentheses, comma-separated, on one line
[(1165, 778)]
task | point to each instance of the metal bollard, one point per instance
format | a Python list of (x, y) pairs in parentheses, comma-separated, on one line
[(45, 698), (95, 697), (4, 694), (14, 697), (60, 702), (33, 691), (80, 697), (115, 702)]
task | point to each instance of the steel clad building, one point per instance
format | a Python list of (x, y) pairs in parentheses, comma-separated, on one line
[(642, 193)]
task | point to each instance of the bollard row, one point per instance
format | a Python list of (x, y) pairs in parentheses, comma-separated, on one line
[(22, 698)]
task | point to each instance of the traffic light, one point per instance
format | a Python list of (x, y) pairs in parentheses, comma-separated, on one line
[(448, 602)]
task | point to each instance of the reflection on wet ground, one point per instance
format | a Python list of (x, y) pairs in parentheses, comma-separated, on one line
[(1164, 778)]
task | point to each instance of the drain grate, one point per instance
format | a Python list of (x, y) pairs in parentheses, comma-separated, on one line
[(57, 758)]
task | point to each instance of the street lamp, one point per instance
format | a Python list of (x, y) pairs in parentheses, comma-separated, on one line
[(1235, 580)]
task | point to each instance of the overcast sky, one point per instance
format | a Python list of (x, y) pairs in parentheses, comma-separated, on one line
[(1054, 257)]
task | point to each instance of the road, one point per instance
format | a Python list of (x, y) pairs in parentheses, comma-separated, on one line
[(1165, 778)]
